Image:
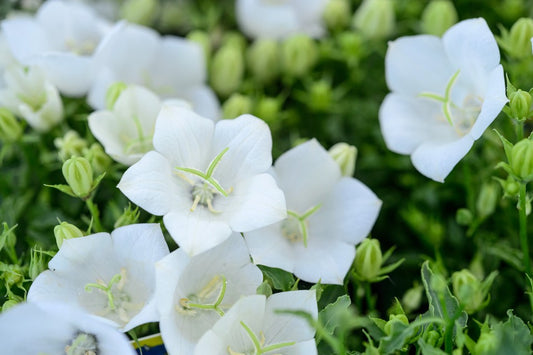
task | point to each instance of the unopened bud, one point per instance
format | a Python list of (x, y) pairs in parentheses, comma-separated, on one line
[(298, 55), (345, 155), (37, 264), (113, 93), (337, 14), (64, 231), (394, 318), (412, 298), (464, 217), (268, 109), (520, 105), (375, 18), (487, 199), (234, 39), (70, 145), (320, 96), (142, 12), (236, 105), (99, 160), (522, 159), (467, 288), (227, 70), (79, 175), (201, 38), (511, 187), (438, 16), (10, 128), (262, 58), (368, 259), (129, 216), (517, 42)]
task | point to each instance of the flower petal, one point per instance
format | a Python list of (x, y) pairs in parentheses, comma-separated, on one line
[(25, 38), (203, 101), (258, 19), (269, 247)]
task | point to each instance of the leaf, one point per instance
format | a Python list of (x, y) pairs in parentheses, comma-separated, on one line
[(264, 289), (400, 333), (280, 279), (429, 349), (507, 146), (330, 316), (63, 188), (513, 336)]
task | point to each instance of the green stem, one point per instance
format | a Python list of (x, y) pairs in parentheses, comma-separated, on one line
[(95, 213), (369, 300), (523, 228)]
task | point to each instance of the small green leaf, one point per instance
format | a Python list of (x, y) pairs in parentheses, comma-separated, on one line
[(507, 146), (513, 337), (428, 349), (280, 279), (63, 188), (264, 289)]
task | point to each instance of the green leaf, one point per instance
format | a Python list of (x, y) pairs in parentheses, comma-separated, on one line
[(280, 279), (63, 188), (429, 349), (400, 333), (513, 335), (507, 146)]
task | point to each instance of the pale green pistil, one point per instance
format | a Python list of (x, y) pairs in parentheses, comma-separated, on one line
[(259, 343), (142, 143), (201, 300), (295, 226), (82, 344)]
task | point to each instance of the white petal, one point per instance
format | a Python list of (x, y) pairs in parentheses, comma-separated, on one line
[(249, 146), (306, 174), (348, 214), (104, 78), (211, 344), (203, 101), (25, 38), (436, 159), (269, 247), (183, 137), (168, 272), (151, 184), (144, 242), (262, 20), (417, 64), (307, 347)]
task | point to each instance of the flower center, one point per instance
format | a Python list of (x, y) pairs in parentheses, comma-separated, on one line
[(295, 226), (142, 143), (203, 300), (259, 343), (82, 344), (80, 47)]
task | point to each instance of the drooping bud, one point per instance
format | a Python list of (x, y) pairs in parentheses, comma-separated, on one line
[(487, 199), (79, 175), (298, 55), (517, 41), (263, 58), (522, 159), (345, 155), (337, 14), (438, 16), (10, 128), (368, 259), (467, 289), (227, 70), (520, 105), (99, 160), (113, 93), (320, 96), (236, 105), (65, 231), (70, 145), (142, 12), (375, 19)]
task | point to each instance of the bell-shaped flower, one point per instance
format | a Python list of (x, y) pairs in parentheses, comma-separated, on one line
[(61, 39), (445, 93), (109, 275), (327, 215), (192, 293), (280, 19), (30, 95), (207, 180), (257, 325), (56, 328), (170, 66)]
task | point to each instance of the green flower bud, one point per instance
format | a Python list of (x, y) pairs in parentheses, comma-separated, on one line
[(511, 187), (99, 160), (522, 159), (9, 304), (345, 155), (13, 275), (79, 175), (298, 55), (201, 38), (393, 318), (467, 288), (129, 216), (320, 96), (517, 42), (438, 16), (520, 104), (262, 58), (432, 337), (337, 14), (236, 105), (268, 109), (227, 70), (486, 344), (412, 298), (368, 259), (113, 93), (37, 264), (10, 128), (351, 44), (375, 19), (234, 39), (464, 217), (487, 199), (65, 231), (142, 12), (510, 9), (70, 145)]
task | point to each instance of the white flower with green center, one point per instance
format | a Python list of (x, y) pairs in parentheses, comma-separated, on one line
[(279, 19), (206, 180), (192, 293), (170, 66), (110, 276), (256, 325), (56, 328), (29, 94), (327, 215), (445, 93), (61, 39)]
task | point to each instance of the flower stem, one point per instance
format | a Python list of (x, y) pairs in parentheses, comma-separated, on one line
[(523, 228), (95, 213)]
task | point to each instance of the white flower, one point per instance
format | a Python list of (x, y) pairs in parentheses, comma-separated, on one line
[(279, 19), (30, 95), (207, 180), (254, 326), (170, 66), (54, 328), (445, 93), (193, 293), (327, 215), (110, 276), (61, 39)]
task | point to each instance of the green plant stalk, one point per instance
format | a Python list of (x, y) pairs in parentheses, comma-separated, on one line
[(95, 213), (523, 228)]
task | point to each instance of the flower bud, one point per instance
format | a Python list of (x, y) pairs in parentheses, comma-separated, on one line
[(129, 216), (227, 70), (65, 231), (393, 318), (337, 14), (487, 199), (486, 344), (201, 38), (375, 18), (10, 128), (12, 274), (520, 104), (517, 42), (464, 217), (262, 58), (236, 105), (268, 109), (9, 304), (412, 298), (467, 288), (345, 155), (37, 264), (70, 145), (298, 55), (99, 160), (142, 12), (511, 187), (79, 175), (113, 93), (234, 39), (432, 337), (522, 159), (351, 44), (368, 259), (320, 96), (438, 16)]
